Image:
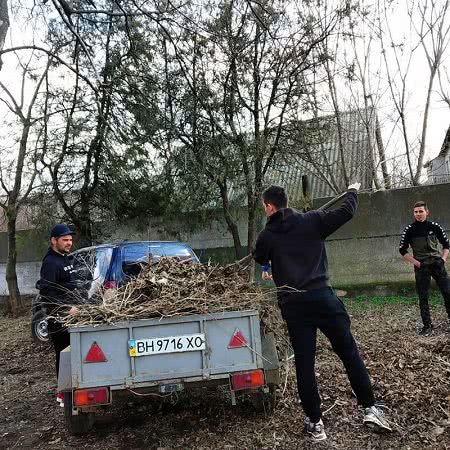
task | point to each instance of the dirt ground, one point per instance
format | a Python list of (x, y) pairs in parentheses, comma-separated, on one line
[(411, 375)]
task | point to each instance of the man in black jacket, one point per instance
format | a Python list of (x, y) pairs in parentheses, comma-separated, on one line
[(56, 287), (424, 238), (292, 243)]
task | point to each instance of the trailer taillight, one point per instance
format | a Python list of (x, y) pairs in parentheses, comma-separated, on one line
[(87, 397), (95, 354), (110, 284), (247, 380)]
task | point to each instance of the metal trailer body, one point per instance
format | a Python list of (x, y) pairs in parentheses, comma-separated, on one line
[(214, 362)]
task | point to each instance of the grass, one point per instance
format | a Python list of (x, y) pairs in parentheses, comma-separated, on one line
[(369, 301)]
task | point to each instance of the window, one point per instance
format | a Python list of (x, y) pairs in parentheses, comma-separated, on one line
[(179, 250), (141, 252), (137, 253), (91, 267)]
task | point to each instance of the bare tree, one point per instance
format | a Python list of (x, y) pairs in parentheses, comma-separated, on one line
[(340, 141), (76, 153), (433, 30), (430, 31), (238, 78), (17, 176)]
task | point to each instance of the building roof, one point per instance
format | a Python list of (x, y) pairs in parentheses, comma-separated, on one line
[(320, 158), (445, 145), (444, 149)]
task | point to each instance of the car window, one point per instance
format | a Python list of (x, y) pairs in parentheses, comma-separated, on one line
[(135, 255), (102, 262), (141, 252), (138, 253), (84, 264), (91, 267), (181, 251)]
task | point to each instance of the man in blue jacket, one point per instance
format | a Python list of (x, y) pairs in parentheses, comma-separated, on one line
[(293, 245), (56, 287)]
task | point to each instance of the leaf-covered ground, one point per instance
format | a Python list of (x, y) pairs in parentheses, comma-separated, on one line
[(411, 374)]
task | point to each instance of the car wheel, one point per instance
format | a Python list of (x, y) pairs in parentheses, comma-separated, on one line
[(39, 327)]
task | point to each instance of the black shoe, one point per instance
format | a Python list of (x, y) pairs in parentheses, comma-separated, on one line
[(426, 330)]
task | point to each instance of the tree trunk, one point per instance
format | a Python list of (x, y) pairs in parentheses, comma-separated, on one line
[(253, 224), (407, 147), (231, 223), (307, 194), (416, 179), (83, 235), (14, 300), (382, 154), (4, 24), (339, 126)]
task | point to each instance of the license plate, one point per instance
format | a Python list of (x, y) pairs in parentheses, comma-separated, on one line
[(170, 344), (169, 388)]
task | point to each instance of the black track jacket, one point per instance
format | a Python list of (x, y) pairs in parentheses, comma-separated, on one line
[(293, 243), (424, 238)]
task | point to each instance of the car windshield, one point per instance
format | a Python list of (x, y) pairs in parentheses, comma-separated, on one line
[(143, 252)]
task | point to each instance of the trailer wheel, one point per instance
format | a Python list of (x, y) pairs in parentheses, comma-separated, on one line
[(82, 423), (264, 402), (39, 327)]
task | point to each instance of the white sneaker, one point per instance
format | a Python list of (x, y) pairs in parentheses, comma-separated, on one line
[(315, 431), (374, 419), (60, 399)]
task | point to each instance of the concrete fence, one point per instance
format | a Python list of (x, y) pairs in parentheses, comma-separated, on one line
[(362, 252), (365, 251)]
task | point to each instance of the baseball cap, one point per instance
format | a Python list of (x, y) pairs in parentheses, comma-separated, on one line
[(61, 230)]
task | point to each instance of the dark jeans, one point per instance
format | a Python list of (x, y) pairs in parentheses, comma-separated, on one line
[(322, 309), (60, 339), (435, 269)]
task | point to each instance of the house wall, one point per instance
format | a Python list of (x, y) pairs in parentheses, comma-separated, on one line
[(439, 170)]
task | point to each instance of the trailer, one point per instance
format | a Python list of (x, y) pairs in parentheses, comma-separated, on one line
[(165, 356)]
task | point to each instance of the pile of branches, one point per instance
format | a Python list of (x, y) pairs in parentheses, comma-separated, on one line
[(170, 288)]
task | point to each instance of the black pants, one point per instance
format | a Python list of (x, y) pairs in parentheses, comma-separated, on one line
[(322, 309), (60, 339), (435, 269)]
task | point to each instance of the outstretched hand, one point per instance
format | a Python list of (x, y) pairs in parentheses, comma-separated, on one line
[(73, 311), (266, 276), (354, 186)]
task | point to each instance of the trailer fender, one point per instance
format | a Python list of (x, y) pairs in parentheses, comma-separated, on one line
[(65, 371), (271, 364)]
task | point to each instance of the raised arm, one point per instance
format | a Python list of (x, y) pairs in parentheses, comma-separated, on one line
[(333, 219)]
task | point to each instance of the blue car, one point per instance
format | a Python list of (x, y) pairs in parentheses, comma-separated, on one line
[(109, 266)]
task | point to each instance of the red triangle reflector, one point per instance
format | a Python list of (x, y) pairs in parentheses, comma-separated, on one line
[(95, 354), (237, 340)]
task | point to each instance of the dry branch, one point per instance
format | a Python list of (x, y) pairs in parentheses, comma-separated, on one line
[(169, 288)]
